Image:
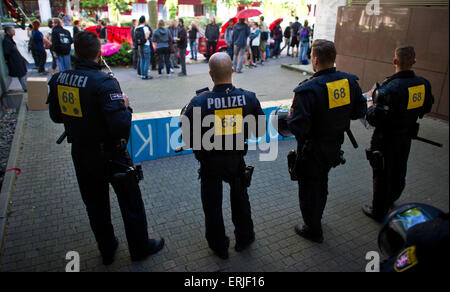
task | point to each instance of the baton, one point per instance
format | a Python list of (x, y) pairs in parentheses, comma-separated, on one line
[(351, 138)]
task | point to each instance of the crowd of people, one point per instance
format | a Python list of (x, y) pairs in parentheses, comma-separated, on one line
[(249, 42), (165, 46)]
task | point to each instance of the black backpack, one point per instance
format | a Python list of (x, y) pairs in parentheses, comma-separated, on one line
[(139, 36), (264, 35)]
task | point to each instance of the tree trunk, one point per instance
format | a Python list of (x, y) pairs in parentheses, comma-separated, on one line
[(153, 13)]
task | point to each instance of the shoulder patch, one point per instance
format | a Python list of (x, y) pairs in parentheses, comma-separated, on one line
[(115, 96), (406, 259)]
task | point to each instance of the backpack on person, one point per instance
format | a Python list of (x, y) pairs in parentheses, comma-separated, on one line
[(139, 35), (65, 42), (264, 35), (304, 35)]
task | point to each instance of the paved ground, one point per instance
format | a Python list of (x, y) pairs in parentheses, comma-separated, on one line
[(47, 217), (271, 82)]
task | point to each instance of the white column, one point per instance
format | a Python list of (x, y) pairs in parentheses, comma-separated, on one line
[(44, 10), (326, 16)]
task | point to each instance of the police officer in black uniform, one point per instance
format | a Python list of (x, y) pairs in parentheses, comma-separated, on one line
[(221, 156), (397, 104), (97, 121), (320, 114)]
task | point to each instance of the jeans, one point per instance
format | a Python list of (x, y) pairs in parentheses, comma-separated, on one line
[(276, 48), (238, 55), (286, 45), (144, 60), (23, 82), (183, 60), (174, 57), (230, 51), (135, 58), (304, 46), (193, 45), (164, 55), (64, 63), (54, 63)]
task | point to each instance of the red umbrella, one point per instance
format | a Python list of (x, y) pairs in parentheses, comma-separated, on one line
[(247, 13), (273, 24), (225, 25)]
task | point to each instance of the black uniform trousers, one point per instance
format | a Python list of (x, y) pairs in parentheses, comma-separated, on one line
[(93, 175), (312, 172), (389, 177), (229, 168), (211, 48)]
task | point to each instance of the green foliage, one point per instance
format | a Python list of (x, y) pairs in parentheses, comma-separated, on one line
[(120, 5), (122, 58), (234, 3)]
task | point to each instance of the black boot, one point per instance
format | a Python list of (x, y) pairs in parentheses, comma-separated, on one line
[(108, 256), (368, 211), (155, 245), (306, 233)]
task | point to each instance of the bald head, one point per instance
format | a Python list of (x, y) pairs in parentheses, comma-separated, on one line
[(220, 68)]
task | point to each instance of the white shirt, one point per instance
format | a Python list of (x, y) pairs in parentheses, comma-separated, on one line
[(146, 32)]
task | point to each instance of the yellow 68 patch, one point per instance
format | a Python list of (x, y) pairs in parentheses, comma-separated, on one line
[(338, 93), (228, 121), (69, 101), (416, 96)]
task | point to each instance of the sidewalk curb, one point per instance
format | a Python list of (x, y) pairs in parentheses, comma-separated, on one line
[(297, 68), (10, 177)]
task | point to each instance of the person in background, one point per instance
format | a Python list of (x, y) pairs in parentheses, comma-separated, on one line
[(241, 32), (103, 32), (83, 14), (229, 38), (305, 33), (135, 47), (254, 42), (263, 40), (174, 31), (30, 46), (278, 38), (181, 40), (38, 46), (161, 38), (76, 27), (17, 65), (295, 42), (144, 48), (287, 38), (193, 40), (67, 20), (61, 45), (48, 36), (212, 34)]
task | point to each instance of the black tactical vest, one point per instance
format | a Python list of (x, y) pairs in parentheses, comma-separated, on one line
[(334, 93)]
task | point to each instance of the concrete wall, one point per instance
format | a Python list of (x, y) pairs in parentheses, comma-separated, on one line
[(366, 45), (4, 78)]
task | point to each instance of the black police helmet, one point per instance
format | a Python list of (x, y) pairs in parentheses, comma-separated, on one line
[(392, 235)]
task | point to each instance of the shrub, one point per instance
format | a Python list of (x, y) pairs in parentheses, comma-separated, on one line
[(123, 57)]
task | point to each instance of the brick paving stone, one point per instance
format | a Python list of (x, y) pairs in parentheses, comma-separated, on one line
[(48, 217)]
